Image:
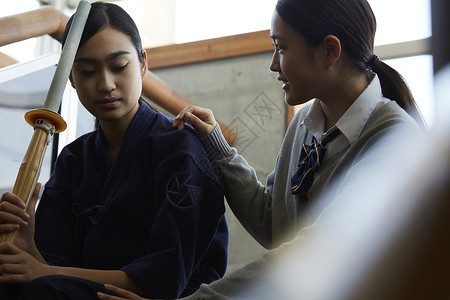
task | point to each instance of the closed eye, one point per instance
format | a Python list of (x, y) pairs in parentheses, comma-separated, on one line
[(121, 68), (278, 48), (87, 73)]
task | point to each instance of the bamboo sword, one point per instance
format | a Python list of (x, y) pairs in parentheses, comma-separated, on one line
[(46, 121)]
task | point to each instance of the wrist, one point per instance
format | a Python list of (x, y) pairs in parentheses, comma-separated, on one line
[(215, 144), (49, 270), (34, 251)]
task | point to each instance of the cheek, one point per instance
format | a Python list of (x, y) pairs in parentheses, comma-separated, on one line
[(134, 84), (292, 75), (83, 99), (298, 73), (289, 67), (83, 90), (79, 83)]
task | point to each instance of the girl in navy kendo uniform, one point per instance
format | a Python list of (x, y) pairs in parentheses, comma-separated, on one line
[(135, 202)]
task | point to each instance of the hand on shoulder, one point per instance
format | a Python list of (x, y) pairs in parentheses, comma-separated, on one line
[(202, 119)]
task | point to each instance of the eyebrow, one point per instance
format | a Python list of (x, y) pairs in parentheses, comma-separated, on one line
[(275, 37), (109, 57)]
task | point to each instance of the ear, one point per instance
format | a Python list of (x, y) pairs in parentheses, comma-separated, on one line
[(144, 64), (333, 50)]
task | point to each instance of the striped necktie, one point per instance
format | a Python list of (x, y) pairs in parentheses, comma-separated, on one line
[(310, 158)]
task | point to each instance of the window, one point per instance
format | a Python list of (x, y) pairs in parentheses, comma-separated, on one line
[(206, 19), (418, 73), (402, 21)]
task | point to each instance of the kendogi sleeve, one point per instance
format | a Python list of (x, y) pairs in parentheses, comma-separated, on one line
[(188, 241)]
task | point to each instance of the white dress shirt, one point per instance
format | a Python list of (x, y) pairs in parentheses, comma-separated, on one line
[(352, 121)]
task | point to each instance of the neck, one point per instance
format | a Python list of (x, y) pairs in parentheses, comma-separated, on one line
[(114, 137), (341, 97), (114, 132)]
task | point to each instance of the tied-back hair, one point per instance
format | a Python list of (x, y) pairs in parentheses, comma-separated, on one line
[(353, 23), (103, 15)]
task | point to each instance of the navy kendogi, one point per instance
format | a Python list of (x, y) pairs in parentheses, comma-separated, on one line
[(156, 212)]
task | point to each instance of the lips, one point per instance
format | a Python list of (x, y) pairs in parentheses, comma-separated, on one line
[(286, 83), (109, 102)]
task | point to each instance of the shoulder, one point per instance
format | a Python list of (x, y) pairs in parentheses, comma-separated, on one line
[(155, 130), (158, 128), (164, 135), (166, 144), (387, 119), (179, 155), (168, 149), (390, 115)]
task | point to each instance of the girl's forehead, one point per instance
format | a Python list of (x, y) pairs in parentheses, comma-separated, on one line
[(110, 34), (106, 40)]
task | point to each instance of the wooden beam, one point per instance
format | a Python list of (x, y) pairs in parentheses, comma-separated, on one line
[(207, 50), (47, 20)]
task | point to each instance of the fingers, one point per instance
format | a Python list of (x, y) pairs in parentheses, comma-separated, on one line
[(32, 203), (8, 259), (12, 213), (181, 118), (121, 294), (14, 199), (202, 119), (103, 296), (9, 248), (16, 266)]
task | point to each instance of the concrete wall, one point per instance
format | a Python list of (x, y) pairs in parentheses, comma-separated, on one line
[(245, 95)]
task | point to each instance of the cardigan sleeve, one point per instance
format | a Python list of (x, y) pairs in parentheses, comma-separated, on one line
[(248, 198)]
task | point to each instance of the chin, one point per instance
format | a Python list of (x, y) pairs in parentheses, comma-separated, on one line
[(293, 102), (289, 100)]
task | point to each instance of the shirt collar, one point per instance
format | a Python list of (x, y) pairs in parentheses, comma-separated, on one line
[(350, 125)]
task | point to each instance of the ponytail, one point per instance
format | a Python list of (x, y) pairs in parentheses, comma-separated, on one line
[(394, 87)]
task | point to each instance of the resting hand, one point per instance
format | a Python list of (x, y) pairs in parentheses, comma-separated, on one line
[(18, 266), (15, 218), (202, 119), (122, 294)]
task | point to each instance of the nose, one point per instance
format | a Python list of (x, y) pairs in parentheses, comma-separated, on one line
[(106, 83), (275, 62)]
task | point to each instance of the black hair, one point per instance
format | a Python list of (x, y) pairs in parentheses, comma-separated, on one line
[(353, 23), (104, 15)]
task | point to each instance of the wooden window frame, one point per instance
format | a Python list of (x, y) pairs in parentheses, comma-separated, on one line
[(211, 49)]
